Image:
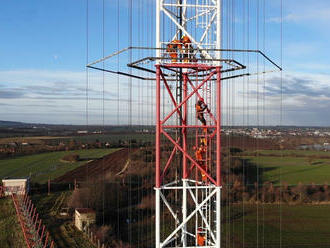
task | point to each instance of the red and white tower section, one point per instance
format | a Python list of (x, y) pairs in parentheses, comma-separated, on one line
[(188, 70)]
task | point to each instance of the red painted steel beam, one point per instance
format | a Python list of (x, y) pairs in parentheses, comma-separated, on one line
[(170, 93), (218, 139), (188, 156), (187, 126), (189, 96), (168, 163), (199, 96), (184, 122), (189, 66)]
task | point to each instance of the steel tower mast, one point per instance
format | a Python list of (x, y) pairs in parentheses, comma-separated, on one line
[(198, 224), (190, 72)]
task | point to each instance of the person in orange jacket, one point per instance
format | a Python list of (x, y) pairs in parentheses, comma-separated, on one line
[(188, 49), (200, 108), (200, 237), (200, 159), (173, 48)]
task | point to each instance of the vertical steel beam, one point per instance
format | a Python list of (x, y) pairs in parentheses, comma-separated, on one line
[(218, 217), (184, 160), (158, 131), (185, 123), (158, 43), (218, 32), (218, 132), (218, 162)]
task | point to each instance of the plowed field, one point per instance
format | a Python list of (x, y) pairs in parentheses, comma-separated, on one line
[(108, 165)]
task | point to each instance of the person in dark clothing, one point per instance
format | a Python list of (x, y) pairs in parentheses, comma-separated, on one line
[(200, 108)]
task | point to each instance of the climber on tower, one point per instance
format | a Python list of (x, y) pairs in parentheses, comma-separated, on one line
[(200, 108), (200, 237), (173, 48), (200, 155), (188, 49)]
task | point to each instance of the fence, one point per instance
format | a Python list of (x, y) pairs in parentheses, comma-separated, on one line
[(34, 231), (93, 239)]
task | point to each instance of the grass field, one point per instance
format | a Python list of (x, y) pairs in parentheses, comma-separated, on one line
[(11, 235), (303, 226), (42, 166), (293, 152), (35, 139), (292, 169), (114, 138)]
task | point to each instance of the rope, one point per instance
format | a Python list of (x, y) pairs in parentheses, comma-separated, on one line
[(118, 193), (103, 107), (281, 116), (87, 80)]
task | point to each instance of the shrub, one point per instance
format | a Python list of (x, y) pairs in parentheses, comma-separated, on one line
[(72, 158)]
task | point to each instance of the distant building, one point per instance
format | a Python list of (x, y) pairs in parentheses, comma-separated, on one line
[(82, 132), (19, 186), (84, 217)]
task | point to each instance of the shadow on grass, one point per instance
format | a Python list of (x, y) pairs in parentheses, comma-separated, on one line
[(253, 173)]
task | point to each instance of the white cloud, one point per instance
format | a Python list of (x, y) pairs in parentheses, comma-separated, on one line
[(59, 97), (304, 11)]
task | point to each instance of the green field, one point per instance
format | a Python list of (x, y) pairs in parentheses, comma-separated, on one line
[(292, 167), (293, 152), (42, 166), (113, 138), (271, 224), (11, 235)]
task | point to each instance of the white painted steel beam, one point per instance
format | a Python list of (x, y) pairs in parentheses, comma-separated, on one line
[(166, 241)]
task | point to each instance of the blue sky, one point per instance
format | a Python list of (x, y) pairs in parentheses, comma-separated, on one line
[(43, 58)]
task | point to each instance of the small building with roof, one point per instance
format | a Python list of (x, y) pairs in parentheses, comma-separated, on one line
[(19, 186), (84, 217)]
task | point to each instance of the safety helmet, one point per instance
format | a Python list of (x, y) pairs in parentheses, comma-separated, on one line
[(185, 39)]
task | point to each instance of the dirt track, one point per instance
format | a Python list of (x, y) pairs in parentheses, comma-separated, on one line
[(109, 164)]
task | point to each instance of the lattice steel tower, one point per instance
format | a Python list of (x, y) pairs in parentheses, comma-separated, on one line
[(189, 54)]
